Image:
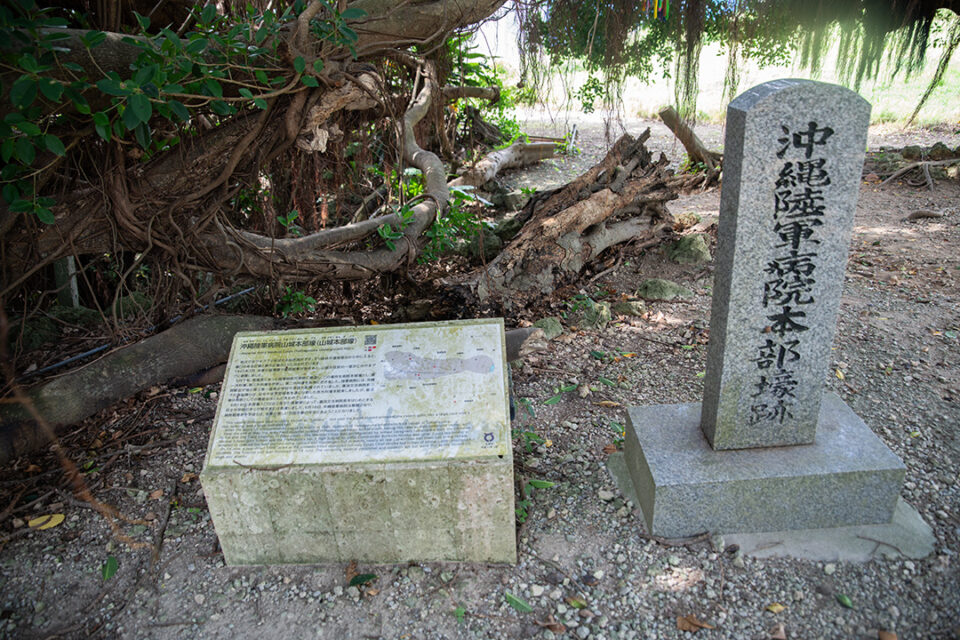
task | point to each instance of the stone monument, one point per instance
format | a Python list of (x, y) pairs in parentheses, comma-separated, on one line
[(387, 443), (768, 449)]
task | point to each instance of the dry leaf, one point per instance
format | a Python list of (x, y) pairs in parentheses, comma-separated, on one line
[(48, 521), (779, 632), (606, 403), (886, 635), (840, 375), (551, 624), (775, 607), (187, 477), (351, 571), (156, 495), (32, 468), (610, 449), (372, 592), (690, 623)]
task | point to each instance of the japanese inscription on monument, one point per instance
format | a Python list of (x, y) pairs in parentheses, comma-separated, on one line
[(791, 175), (380, 393)]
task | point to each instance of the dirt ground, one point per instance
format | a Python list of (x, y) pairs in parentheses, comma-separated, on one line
[(586, 567)]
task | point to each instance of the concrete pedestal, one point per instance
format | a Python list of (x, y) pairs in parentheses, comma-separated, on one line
[(685, 487)]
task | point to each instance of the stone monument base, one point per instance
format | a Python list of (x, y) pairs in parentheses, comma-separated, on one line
[(389, 512), (847, 477)]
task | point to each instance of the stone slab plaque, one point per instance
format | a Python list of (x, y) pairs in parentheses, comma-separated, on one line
[(685, 487), (793, 156), (386, 443)]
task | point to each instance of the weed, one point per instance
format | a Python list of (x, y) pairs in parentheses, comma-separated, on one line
[(295, 302)]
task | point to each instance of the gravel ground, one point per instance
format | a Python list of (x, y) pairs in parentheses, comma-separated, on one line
[(586, 568)]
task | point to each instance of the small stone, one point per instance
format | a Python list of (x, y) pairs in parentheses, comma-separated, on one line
[(537, 590), (353, 592), (830, 568), (674, 561), (551, 327), (583, 633), (605, 495), (556, 594), (659, 289), (739, 563), (798, 595), (199, 598)]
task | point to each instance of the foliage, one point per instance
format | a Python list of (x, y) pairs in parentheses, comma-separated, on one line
[(472, 68), (460, 221), (219, 68), (624, 38), (294, 303)]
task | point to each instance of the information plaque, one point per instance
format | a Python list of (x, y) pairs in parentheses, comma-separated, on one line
[(385, 443), (379, 393)]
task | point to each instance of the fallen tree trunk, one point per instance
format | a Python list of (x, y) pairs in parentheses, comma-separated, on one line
[(620, 199), (185, 348), (696, 150), (518, 154)]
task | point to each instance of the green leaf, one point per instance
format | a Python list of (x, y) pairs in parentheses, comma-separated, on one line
[(6, 152), (348, 34), (222, 108), (51, 89), (352, 13), (23, 92), (10, 192), (213, 87), (21, 206), (568, 388), (599, 355), (554, 400), (142, 133), (246, 93), (179, 109), (318, 65), (141, 106), (54, 145), (541, 484), (103, 130), (310, 81), (197, 46), (79, 102), (845, 600), (44, 215), (112, 87), (93, 39), (144, 21), (145, 74), (517, 603), (576, 603), (25, 151), (109, 568), (299, 64), (28, 128), (362, 579), (261, 103), (608, 382), (208, 14), (130, 118), (460, 612)]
